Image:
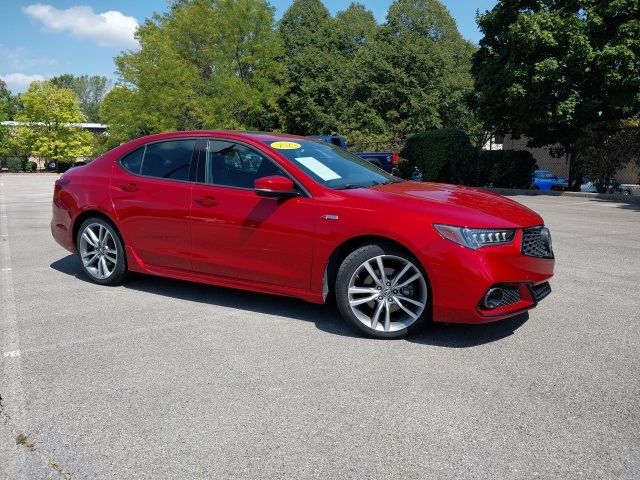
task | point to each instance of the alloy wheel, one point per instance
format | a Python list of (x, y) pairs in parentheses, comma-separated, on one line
[(387, 293), (98, 251)]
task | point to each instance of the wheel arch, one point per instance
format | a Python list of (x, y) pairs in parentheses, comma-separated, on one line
[(79, 220), (345, 248)]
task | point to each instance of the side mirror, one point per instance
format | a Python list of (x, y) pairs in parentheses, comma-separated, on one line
[(275, 186)]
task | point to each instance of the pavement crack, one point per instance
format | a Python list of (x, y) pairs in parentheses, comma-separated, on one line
[(22, 440)]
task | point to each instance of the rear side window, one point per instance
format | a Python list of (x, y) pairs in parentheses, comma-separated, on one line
[(133, 161), (170, 160)]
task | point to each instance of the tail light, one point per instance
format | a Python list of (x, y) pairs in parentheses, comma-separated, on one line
[(61, 182), (57, 188)]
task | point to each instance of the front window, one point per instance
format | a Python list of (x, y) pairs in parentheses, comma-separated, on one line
[(235, 165), (331, 166)]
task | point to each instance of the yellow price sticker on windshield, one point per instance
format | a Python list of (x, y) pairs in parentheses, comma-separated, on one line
[(285, 145)]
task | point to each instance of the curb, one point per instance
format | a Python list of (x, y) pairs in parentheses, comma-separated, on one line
[(635, 199)]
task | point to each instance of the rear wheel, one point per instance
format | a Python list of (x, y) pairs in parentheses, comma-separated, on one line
[(382, 292), (101, 252)]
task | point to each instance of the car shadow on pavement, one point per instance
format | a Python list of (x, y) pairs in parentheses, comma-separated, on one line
[(465, 336), (325, 317)]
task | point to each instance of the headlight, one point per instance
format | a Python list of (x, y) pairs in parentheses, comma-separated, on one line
[(476, 237)]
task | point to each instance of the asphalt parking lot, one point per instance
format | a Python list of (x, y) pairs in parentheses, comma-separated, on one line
[(160, 379)]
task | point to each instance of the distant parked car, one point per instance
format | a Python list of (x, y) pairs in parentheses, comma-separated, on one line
[(385, 160), (62, 167), (589, 185), (546, 180)]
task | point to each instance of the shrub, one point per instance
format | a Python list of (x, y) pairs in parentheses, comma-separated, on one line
[(30, 166), (506, 168), (15, 164), (444, 155), (448, 156)]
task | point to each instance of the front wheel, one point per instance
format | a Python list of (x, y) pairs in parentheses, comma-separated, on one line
[(382, 292), (101, 252)]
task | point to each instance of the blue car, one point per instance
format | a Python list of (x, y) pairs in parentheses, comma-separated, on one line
[(545, 180)]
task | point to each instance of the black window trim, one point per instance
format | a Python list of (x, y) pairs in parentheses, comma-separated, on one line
[(192, 165), (205, 151)]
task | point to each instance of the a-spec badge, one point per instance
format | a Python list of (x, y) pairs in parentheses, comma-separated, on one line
[(330, 217)]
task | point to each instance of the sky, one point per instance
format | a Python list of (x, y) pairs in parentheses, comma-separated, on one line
[(42, 40)]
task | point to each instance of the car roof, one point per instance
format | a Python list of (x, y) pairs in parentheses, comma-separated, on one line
[(264, 137), (256, 135)]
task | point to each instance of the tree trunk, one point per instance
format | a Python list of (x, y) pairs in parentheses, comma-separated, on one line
[(575, 170)]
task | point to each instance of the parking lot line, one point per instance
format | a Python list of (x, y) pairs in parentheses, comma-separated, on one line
[(11, 385)]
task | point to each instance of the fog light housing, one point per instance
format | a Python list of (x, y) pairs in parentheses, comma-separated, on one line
[(493, 298)]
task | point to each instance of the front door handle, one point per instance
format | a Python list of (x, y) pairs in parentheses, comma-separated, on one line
[(208, 201), (129, 187)]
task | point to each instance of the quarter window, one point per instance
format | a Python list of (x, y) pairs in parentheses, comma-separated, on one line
[(170, 160), (236, 165), (133, 161)]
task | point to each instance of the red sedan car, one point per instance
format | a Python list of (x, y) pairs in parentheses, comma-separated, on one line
[(292, 216)]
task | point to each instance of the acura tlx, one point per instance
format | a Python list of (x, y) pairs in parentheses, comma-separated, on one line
[(291, 216)]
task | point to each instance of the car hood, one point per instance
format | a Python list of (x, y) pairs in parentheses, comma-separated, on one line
[(462, 206)]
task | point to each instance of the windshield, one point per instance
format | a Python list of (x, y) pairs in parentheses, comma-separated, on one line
[(331, 166)]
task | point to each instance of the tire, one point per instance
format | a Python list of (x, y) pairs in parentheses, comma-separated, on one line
[(366, 298), (101, 252)]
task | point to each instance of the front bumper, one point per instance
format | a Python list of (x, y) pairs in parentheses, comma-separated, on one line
[(461, 277)]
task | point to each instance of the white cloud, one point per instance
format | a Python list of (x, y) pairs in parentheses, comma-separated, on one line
[(108, 29), (19, 59), (18, 82)]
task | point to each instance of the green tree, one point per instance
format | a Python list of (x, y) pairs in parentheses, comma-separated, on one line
[(352, 32), (90, 91), (8, 103), (49, 113), (416, 73), (4, 115), (310, 67), (203, 64), (548, 69), (8, 108)]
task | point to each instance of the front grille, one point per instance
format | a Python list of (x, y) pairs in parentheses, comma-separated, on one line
[(536, 242), (541, 291), (511, 296)]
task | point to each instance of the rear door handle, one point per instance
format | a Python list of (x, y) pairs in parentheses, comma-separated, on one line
[(129, 187), (208, 201)]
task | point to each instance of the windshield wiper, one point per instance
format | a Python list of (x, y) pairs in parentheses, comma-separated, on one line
[(374, 184), (386, 182)]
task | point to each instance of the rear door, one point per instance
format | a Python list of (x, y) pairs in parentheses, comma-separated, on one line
[(151, 194)]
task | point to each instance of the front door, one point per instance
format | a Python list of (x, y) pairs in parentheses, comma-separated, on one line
[(237, 233)]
